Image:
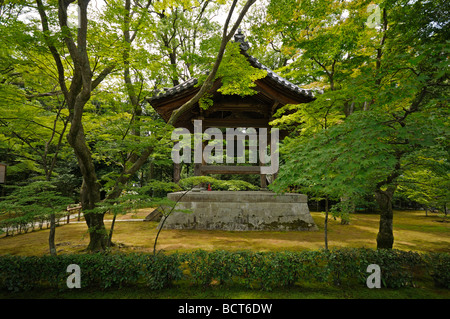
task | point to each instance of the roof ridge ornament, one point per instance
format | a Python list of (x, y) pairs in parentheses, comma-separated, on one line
[(240, 37)]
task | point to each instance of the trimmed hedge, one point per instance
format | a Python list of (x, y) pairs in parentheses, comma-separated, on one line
[(267, 270), (216, 184), (255, 270), (97, 271)]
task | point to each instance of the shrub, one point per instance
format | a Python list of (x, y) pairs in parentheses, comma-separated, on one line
[(235, 185), (97, 271), (264, 270), (314, 266), (397, 267), (438, 266), (255, 270), (224, 185), (204, 267), (269, 270), (155, 188), (196, 181)]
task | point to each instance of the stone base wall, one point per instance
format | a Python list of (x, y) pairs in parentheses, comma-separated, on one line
[(240, 210)]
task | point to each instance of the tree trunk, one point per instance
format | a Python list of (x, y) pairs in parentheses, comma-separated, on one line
[(76, 95), (111, 231), (97, 232), (385, 237), (51, 236), (326, 223), (176, 172), (94, 221)]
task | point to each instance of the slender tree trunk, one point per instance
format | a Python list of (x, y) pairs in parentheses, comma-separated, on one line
[(176, 172), (385, 237), (165, 216), (326, 223), (51, 237), (111, 230)]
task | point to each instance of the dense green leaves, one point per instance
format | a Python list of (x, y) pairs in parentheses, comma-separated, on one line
[(236, 73), (338, 169), (255, 270), (216, 184), (379, 120), (31, 205), (382, 118), (97, 271)]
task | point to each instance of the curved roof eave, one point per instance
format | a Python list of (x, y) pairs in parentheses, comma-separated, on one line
[(186, 86)]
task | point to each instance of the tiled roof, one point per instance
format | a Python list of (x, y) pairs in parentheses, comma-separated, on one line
[(176, 89), (244, 46), (280, 80)]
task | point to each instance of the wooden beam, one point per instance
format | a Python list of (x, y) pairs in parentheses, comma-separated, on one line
[(260, 109), (238, 122), (231, 106), (237, 104), (274, 107), (283, 95)]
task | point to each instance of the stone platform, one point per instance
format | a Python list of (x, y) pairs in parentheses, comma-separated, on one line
[(240, 210)]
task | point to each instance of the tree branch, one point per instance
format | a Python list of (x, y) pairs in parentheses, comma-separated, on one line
[(52, 48), (210, 79), (102, 75), (32, 96), (128, 173)]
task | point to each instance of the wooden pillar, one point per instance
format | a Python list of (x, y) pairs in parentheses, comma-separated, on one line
[(176, 172), (275, 177), (263, 181), (263, 176), (198, 167)]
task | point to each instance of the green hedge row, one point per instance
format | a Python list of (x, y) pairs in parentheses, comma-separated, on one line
[(101, 271), (216, 184), (267, 270), (256, 270)]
